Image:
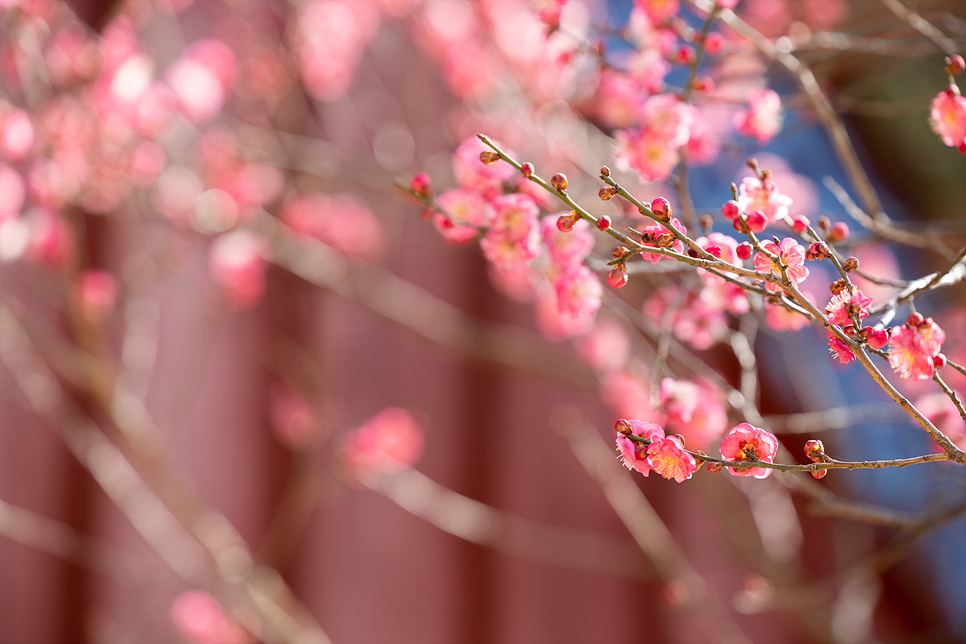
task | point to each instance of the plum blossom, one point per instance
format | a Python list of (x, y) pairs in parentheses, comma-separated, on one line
[(606, 347), (634, 454), (763, 196), (653, 151), (913, 348), (578, 292), (948, 119), (467, 211), (388, 442), (695, 321), (513, 238), (839, 349), (566, 248), (941, 410), (693, 410), (667, 457), (652, 233), (792, 256), (341, 221), (838, 307), (763, 118), (747, 443)]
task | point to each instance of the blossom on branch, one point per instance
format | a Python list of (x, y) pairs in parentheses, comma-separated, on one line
[(790, 253), (948, 118), (747, 443), (667, 457), (913, 348), (763, 118)]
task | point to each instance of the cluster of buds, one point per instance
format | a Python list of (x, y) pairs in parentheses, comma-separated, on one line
[(815, 451), (817, 251), (617, 277)]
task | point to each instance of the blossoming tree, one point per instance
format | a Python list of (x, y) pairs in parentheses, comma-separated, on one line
[(608, 160)]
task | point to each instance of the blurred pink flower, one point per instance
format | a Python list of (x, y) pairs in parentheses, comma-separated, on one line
[(566, 248), (201, 618), (513, 238), (606, 347), (388, 442), (237, 265), (755, 195), (578, 292), (763, 118)]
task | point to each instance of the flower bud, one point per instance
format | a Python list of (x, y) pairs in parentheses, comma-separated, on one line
[(607, 193), (955, 65), (817, 251), (559, 182), (876, 338), (824, 223), (692, 253), (915, 320), (703, 84), (706, 223), (800, 223), (620, 251), (617, 278), (731, 209), (815, 450), (685, 55), (850, 265), (837, 286), (603, 223), (665, 241), (526, 170), (939, 361), (744, 251), (605, 171), (713, 43), (624, 426), (819, 474), (756, 221), (838, 233), (420, 185), (713, 249), (661, 208), (713, 467), (488, 157), (739, 224), (565, 223)]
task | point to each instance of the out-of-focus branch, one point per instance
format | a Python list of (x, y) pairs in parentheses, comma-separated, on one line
[(199, 545), (485, 525), (835, 418), (418, 310), (923, 26), (60, 540)]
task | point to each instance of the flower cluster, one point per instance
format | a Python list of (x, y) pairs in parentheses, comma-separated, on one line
[(663, 454)]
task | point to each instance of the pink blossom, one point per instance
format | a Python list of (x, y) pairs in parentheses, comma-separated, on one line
[(472, 173), (778, 318), (791, 254), (513, 237), (838, 307), (722, 246), (94, 294), (554, 324), (513, 282), (745, 443), (294, 420), (839, 349), (388, 442), (693, 410), (467, 211), (755, 195), (341, 221), (763, 118), (948, 119), (656, 231), (912, 349), (200, 617), (567, 248), (646, 68), (578, 292), (606, 347), (667, 457), (645, 153), (659, 10), (549, 10), (669, 118), (618, 99), (704, 143), (627, 394), (694, 322), (634, 454), (333, 34), (237, 264)]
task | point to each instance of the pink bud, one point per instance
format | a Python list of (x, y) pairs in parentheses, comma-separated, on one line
[(939, 361), (915, 320), (743, 251), (839, 232), (421, 185), (685, 55), (603, 223), (815, 450), (956, 65), (713, 467), (757, 221), (488, 157), (800, 223), (819, 474), (526, 170), (617, 278), (731, 209), (713, 43), (878, 338), (713, 249), (565, 223), (94, 293), (661, 208), (559, 182)]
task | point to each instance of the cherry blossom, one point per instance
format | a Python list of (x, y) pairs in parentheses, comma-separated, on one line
[(667, 457), (634, 454), (513, 238), (747, 443)]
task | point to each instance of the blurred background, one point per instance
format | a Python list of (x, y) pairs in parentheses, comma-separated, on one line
[(176, 436)]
